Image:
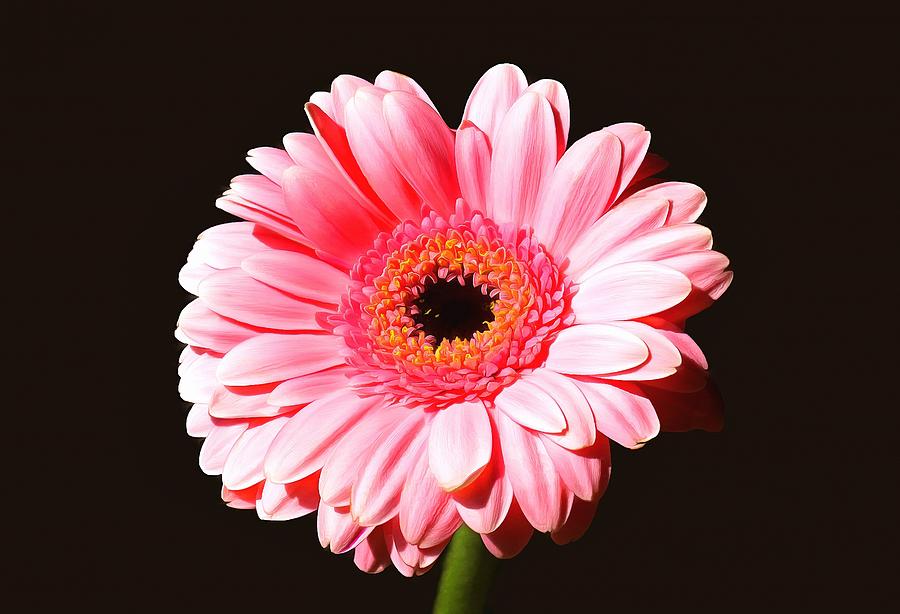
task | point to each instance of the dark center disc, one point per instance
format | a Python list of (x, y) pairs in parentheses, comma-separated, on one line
[(448, 310)]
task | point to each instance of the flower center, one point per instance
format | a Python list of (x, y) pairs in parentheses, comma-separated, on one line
[(450, 310)]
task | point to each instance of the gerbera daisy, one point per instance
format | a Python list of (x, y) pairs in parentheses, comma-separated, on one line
[(416, 327)]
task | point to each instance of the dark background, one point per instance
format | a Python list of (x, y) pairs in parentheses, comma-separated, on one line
[(126, 125)]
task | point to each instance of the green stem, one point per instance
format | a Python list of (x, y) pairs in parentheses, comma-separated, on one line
[(468, 569)]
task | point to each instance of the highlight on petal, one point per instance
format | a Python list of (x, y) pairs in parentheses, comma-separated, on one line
[(688, 201), (343, 464), (595, 349), (535, 481), (271, 358), (297, 274), (303, 443), (375, 496), (427, 515), (581, 430), (288, 501), (580, 189), (629, 291), (370, 140), (473, 164), (342, 89), (492, 97), (484, 503), (423, 149), (244, 465), (397, 82), (531, 406), (635, 143), (558, 98), (623, 413), (459, 445), (234, 294), (629, 219), (524, 155)]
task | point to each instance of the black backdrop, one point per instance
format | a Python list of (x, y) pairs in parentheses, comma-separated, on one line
[(134, 123)]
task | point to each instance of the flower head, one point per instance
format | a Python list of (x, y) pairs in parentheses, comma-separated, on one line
[(416, 327)]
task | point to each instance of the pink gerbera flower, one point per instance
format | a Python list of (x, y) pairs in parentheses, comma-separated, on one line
[(417, 327)]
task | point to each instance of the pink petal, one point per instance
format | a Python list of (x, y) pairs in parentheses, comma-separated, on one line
[(228, 404), (654, 245), (629, 291), (511, 537), (687, 346), (327, 213), (244, 465), (261, 191), (580, 470), (324, 101), (579, 519), (524, 154), (308, 388), (191, 274), (459, 445), (376, 493), (198, 379), (303, 444), (270, 161), (337, 530), (342, 466), (218, 444), (593, 349), (423, 149), (225, 246), (581, 429), (410, 559), (580, 189), (342, 89), (531, 406), (244, 499), (664, 357), (372, 555), (631, 218), (279, 224), (307, 151), (207, 329), (271, 358), (397, 82), (703, 268), (621, 412), (473, 164), (288, 501), (483, 504), (234, 294), (688, 200), (198, 422), (558, 98), (534, 478), (635, 143), (492, 97), (370, 140), (333, 139), (298, 274), (427, 514)]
